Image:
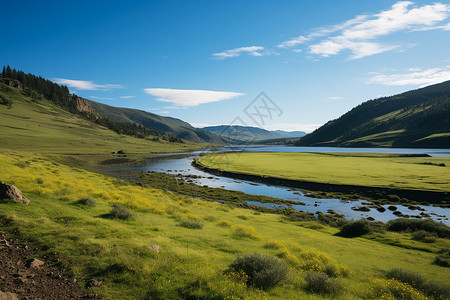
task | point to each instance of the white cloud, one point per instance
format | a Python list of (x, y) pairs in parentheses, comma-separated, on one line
[(293, 42), (335, 98), (190, 97), (419, 77), (252, 50), (127, 97), (85, 85), (360, 35)]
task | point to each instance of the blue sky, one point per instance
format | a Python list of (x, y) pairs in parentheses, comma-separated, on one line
[(205, 61)]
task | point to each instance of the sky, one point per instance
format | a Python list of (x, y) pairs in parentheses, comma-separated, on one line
[(206, 62)]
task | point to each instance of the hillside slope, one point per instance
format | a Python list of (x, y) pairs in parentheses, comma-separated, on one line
[(248, 133), (41, 126), (169, 125), (418, 118)]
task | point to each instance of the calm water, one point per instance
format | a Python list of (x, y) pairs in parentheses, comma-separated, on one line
[(179, 164)]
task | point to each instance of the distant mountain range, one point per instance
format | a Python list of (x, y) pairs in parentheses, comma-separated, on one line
[(251, 134), (418, 118)]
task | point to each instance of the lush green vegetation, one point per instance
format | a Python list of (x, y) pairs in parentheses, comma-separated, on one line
[(46, 128), (99, 227), (191, 263), (374, 170), (404, 120)]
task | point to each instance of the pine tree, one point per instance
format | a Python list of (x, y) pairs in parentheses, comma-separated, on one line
[(4, 72), (8, 71)]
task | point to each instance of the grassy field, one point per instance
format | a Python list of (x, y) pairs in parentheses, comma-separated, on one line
[(364, 169), (192, 261), (44, 128)]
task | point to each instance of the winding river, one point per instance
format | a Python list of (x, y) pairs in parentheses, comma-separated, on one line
[(180, 163)]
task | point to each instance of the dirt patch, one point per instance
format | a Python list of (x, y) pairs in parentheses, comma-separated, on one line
[(30, 279)]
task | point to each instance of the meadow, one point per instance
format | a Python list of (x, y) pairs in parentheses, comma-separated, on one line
[(82, 239), (361, 169)]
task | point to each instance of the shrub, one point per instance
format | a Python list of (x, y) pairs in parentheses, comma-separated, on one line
[(223, 223), (443, 259), (192, 224), (424, 236), (7, 102), (428, 287), (87, 201), (410, 225), (356, 228), (319, 283), (394, 289), (241, 231), (262, 271), (120, 212), (39, 181)]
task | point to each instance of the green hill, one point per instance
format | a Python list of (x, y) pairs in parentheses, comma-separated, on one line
[(41, 126), (418, 118), (168, 125)]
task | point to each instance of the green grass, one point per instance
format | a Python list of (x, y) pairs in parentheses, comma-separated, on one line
[(191, 262), (364, 169), (44, 128)]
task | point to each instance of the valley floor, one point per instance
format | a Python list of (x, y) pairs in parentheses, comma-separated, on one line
[(86, 241)]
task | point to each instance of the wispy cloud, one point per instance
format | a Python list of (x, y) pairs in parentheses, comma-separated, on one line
[(190, 97), (361, 34), (335, 98), (293, 127), (126, 97), (252, 50), (415, 76), (86, 85)]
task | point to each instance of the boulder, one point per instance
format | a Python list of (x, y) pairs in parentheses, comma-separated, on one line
[(94, 282), (35, 263), (8, 296), (153, 248), (9, 191)]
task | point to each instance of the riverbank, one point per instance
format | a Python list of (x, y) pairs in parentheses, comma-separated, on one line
[(291, 169)]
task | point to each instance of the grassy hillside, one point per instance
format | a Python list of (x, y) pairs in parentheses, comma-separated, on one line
[(164, 124), (418, 118), (40, 126), (364, 169), (89, 244)]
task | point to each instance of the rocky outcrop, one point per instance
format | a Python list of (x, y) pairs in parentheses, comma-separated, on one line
[(84, 106), (11, 82), (9, 191), (8, 296)]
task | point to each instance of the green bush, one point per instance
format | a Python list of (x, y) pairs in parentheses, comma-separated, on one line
[(319, 283), (262, 271), (7, 102), (428, 287), (120, 212), (424, 236), (411, 225), (87, 201), (443, 258), (356, 228), (192, 224)]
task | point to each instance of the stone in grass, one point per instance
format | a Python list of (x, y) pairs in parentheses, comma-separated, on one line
[(94, 283), (8, 296), (9, 191), (153, 248), (35, 263)]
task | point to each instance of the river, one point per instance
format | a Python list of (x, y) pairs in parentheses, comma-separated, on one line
[(180, 163)]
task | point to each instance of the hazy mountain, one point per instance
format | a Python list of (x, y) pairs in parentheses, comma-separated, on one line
[(418, 118), (251, 134)]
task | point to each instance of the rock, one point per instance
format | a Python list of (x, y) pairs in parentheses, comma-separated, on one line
[(94, 282), (35, 263), (8, 296), (153, 248), (9, 191)]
